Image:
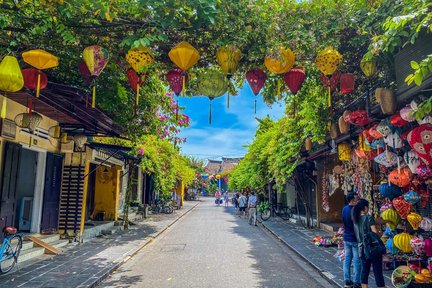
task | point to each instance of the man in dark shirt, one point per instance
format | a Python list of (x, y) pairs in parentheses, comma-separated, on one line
[(350, 244)]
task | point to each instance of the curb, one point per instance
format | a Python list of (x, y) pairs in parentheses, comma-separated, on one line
[(319, 270), (133, 252)]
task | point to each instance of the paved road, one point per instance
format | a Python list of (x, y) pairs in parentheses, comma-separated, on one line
[(212, 247)]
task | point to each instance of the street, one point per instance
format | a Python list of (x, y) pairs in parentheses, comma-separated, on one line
[(212, 247)]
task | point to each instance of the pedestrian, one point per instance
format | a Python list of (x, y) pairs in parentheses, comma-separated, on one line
[(226, 199), (242, 204), (252, 204), (236, 202), (218, 196), (350, 245), (364, 224)]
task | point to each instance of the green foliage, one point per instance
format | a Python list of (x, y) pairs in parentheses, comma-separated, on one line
[(424, 109)]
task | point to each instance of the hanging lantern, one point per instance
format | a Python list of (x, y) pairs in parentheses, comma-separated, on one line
[(402, 207), (308, 144), (420, 141), (327, 62), (280, 64), (401, 177), (256, 79), (391, 217), (294, 80), (80, 141), (175, 80), (11, 79), (415, 220), (184, 56), (369, 67), (347, 83), (332, 81), (402, 241), (33, 80), (139, 58), (344, 152), (213, 85), (41, 60), (358, 118), (96, 58), (135, 82), (85, 73), (228, 58)]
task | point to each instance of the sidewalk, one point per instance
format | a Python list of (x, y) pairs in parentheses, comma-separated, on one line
[(85, 265), (321, 258)]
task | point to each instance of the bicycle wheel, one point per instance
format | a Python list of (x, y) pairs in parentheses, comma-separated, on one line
[(170, 209), (265, 215), (10, 255), (285, 214)]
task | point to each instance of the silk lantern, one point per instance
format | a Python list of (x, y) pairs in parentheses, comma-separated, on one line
[(184, 55), (96, 58), (402, 206), (212, 84), (401, 177), (280, 63), (330, 82), (358, 118), (402, 241), (228, 58), (344, 152), (85, 73), (327, 62), (11, 79), (420, 140), (414, 219), (391, 217), (256, 79), (412, 160), (369, 67), (347, 83), (34, 80), (294, 80), (41, 60), (135, 82), (175, 80), (397, 120)]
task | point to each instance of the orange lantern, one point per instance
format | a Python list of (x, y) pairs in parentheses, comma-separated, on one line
[(401, 177), (41, 60), (11, 79)]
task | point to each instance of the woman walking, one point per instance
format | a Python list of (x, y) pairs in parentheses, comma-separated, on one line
[(364, 226), (226, 199)]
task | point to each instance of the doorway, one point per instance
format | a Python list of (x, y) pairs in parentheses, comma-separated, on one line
[(91, 188)]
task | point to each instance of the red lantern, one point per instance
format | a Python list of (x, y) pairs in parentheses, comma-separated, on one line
[(135, 81), (358, 118), (30, 76), (332, 81), (397, 121), (175, 79), (294, 79), (256, 79), (85, 73), (347, 83)]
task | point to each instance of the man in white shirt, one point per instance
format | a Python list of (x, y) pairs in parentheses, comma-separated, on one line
[(252, 204)]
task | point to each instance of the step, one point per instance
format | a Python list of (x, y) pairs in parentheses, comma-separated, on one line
[(27, 245), (60, 244), (48, 238), (31, 254)]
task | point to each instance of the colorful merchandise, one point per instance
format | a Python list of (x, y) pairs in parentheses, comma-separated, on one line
[(420, 141), (414, 219), (402, 207), (401, 177), (391, 217), (402, 241), (412, 197)]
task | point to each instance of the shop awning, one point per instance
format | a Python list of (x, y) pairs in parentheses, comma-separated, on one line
[(67, 105)]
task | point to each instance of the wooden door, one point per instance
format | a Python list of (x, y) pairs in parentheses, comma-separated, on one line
[(11, 160), (52, 189)]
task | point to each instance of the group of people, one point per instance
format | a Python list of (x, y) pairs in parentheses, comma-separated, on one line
[(243, 203), (359, 231)]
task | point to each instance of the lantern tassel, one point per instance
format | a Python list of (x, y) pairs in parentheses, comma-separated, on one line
[(279, 84), (255, 105), (294, 106), (38, 85), (184, 85), (136, 99), (329, 97), (228, 99), (177, 109), (94, 96), (4, 107), (210, 114)]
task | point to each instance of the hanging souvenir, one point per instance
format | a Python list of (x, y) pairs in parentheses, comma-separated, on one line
[(343, 126), (332, 81), (389, 191), (256, 79), (175, 80), (386, 206), (374, 132), (387, 159), (347, 83), (41, 60), (135, 82), (407, 114), (426, 224), (358, 118), (412, 197), (294, 80), (402, 206), (424, 171), (11, 79), (184, 56), (393, 140), (414, 219), (391, 217), (33, 80), (85, 73), (418, 245), (383, 129), (140, 58), (228, 58), (344, 152), (420, 141), (327, 62), (280, 63), (397, 120), (402, 241), (401, 177), (325, 193), (369, 67), (387, 101), (96, 58), (412, 160)]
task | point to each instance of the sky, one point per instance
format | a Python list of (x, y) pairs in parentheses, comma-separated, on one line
[(231, 129)]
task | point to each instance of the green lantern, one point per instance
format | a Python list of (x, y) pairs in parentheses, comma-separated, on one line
[(212, 84)]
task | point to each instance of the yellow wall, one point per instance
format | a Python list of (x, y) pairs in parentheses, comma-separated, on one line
[(107, 190)]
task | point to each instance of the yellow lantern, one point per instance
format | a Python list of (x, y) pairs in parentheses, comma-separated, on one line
[(11, 79), (402, 241), (228, 58), (369, 67), (41, 60), (344, 152), (327, 62), (218, 176), (280, 65), (414, 219), (392, 218), (139, 58)]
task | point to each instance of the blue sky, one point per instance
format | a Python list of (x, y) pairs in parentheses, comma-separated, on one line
[(231, 128)]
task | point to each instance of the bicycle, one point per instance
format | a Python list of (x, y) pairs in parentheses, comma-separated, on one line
[(268, 210), (10, 249)]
